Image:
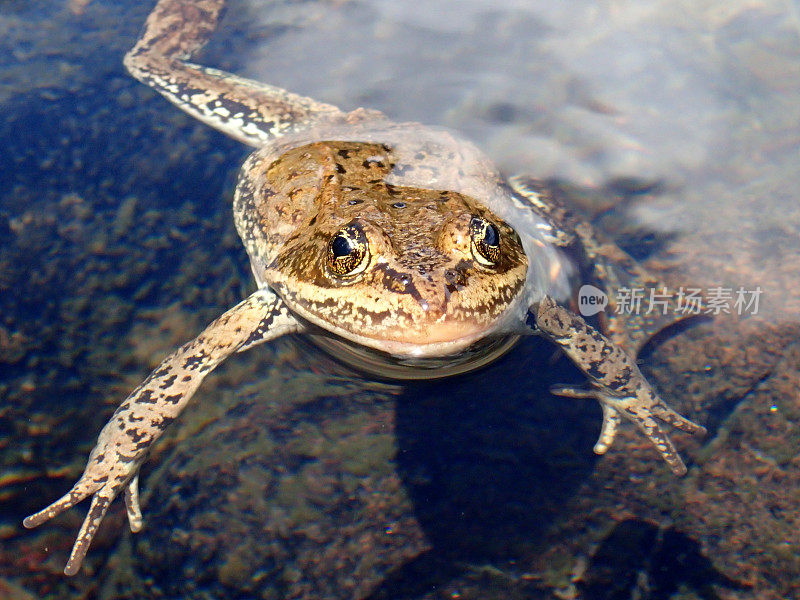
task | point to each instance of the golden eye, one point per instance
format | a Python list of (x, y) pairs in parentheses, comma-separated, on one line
[(348, 251), (485, 241)]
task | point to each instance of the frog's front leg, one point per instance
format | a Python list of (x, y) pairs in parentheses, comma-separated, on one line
[(246, 110), (616, 382), (123, 443)]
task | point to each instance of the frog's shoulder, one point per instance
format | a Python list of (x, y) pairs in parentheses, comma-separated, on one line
[(601, 262)]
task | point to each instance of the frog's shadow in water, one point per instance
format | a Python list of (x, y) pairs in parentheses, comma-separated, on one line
[(640, 559), (489, 459)]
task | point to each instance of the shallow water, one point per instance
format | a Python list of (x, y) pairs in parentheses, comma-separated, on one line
[(678, 122)]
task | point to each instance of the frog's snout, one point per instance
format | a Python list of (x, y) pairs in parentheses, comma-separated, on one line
[(432, 299), (427, 292), (433, 308)]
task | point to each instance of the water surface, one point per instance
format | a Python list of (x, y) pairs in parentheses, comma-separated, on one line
[(679, 125)]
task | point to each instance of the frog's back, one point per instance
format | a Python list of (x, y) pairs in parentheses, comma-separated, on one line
[(283, 188)]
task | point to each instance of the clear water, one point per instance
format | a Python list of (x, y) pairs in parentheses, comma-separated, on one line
[(116, 244)]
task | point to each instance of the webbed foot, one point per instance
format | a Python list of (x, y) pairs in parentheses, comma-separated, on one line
[(616, 383)]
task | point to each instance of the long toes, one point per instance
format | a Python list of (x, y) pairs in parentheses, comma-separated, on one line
[(66, 501), (96, 513), (132, 504), (648, 425), (608, 431), (567, 391), (668, 415)]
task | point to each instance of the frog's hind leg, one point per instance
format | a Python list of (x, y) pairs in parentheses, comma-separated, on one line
[(630, 325), (246, 110)]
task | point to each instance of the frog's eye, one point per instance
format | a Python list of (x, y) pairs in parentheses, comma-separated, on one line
[(485, 241), (348, 251)]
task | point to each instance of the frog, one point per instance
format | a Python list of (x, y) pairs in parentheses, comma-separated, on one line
[(397, 247)]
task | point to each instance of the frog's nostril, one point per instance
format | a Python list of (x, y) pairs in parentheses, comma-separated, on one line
[(455, 279), (434, 308)]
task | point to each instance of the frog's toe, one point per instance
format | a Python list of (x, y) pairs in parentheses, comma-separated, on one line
[(132, 504), (608, 431), (643, 415), (100, 503), (103, 493), (668, 415), (647, 424), (611, 417), (79, 491)]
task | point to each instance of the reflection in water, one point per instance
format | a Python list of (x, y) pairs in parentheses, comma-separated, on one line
[(701, 97), (116, 244)]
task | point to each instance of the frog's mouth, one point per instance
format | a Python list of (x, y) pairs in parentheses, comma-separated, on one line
[(433, 334), (420, 340)]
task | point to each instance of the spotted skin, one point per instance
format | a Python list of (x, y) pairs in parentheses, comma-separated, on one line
[(617, 383), (123, 443), (246, 110), (451, 263)]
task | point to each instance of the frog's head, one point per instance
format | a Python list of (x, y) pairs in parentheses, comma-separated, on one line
[(410, 271)]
